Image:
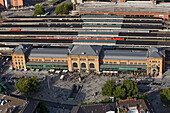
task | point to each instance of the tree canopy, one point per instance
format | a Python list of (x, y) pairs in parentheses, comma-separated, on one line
[(64, 8), (39, 9), (108, 88), (128, 89), (165, 96), (26, 85)]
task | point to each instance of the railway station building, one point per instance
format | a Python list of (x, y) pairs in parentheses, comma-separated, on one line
[(150, 61)]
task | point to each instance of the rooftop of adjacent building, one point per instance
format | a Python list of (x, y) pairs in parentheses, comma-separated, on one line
[(133, 106), (9, 103), (129, 6)]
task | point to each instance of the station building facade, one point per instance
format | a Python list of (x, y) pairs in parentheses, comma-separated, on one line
[(150, 61)]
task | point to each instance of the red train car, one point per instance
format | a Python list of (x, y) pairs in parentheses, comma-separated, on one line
[(15, 30)]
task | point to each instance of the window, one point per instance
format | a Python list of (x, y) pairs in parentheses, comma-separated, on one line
[(55, 60), (66, 60), (139, 63), (83, 59), (75, 65), (21, 57), (83, 65), (47, 60), (122, 62), (58, 60), (131, 63), (62, 60), (14, 56), (40, 60), (110, 62), (16, 66), (154, 61), (22, 66), (74, 59), (91, 59), (106, 62), (135, 63), (115, 62), (158, 61), (16, 63), (32, 59), (36, 60), (91, 65), (144, 63)]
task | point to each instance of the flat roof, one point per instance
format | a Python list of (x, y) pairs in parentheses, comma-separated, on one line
[(49, 52), (137, 55), (122, 7)]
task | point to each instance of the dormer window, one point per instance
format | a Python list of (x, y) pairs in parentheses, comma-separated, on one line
[(83, 53)]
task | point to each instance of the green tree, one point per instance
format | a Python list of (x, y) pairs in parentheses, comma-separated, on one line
[(165, 96), (106, 100), (81, 104), (120, 93), (92, 102), (64, 8), (108, 88), (130, 87), (127, 90), (39, 9), (26, 85), (43, 108)]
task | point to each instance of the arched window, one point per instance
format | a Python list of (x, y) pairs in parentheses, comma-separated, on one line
[(75, 65), (83, 65), (91, 65)]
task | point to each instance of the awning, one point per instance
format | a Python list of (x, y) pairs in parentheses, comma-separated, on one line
[(52, 70), (110, 71), (127, 68), (113, 71), (57, 71), (65, 71)]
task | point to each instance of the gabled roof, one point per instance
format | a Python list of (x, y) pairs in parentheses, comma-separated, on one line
[(91, 50), (155, 55), (95, 108), (155, 52), (21, 49)]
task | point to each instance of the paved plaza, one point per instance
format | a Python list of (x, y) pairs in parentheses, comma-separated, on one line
[(57, 90)]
